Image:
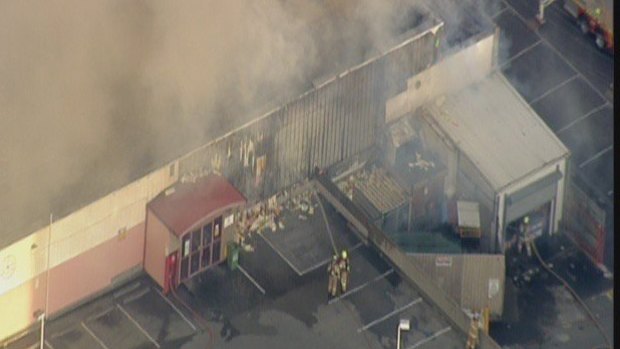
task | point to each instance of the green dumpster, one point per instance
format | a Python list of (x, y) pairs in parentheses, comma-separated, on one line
[(233, 255)]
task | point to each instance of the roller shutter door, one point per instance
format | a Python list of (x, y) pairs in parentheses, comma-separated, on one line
[(531, 197)]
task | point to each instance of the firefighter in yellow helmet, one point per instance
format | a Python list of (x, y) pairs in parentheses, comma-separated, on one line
[(334, 275), (344, 268)]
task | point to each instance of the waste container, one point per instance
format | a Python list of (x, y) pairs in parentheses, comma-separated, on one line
[(233, 255)]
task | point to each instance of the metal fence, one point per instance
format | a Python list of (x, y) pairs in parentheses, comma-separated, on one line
[(584, 222), (324, 126)]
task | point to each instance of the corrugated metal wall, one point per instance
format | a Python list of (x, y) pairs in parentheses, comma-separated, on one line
[(320, 128)]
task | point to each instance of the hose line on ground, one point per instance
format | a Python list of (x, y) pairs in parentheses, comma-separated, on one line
[(573, 293), (329, 230)]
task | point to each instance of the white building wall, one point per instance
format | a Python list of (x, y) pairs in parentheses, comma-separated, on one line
[(83, 229), (453, 73)]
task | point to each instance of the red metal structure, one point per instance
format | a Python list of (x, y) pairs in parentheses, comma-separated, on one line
[(188, 227)]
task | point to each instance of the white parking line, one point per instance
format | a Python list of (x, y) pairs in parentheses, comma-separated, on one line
[(177, 310), (554, 88), (586, 115), (98, 315), (38, 345), (390, 314), (126, 290), (94, 336), (137, 325), (356, 289), (324, 262), (495, 15), (519, 54), (262, 290), (430, 338), (135, 296), (280, 254), (596, 156), (558, 53)]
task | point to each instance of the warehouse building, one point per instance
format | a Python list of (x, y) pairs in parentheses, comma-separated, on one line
[(499, 153), (337, 123)]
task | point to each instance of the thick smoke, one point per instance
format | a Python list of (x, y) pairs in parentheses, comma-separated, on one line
[(95, 93)]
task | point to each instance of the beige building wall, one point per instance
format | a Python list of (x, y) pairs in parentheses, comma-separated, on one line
[(71, 281)]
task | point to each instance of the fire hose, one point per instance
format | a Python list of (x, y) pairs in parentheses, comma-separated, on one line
[(573, 293)]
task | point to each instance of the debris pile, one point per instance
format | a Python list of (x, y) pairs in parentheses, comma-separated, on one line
[(269, 214)]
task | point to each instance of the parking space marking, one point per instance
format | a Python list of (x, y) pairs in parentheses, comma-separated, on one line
[(137, 325), (430, 338), (554, 88), (571, 65), (595, 156), (38, 345), (177, 310), (135, 296), (324, 262), (498, 13), (98, 315), (126, 290), (358, 288), (244, 272), (388, 315), (93, 335), (519, 54), (280, 254), (586, 115)]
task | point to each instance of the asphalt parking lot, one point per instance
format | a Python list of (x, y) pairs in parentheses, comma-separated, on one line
[(265, 303), (135, 315), (541, 313), (567, 81), (293, 309)]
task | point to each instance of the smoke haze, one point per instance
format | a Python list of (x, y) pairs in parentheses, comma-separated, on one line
[(95, 93)]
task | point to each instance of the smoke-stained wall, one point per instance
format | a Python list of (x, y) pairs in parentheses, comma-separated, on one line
[(322, 127)]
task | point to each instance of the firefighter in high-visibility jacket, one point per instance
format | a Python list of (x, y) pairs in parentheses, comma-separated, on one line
[(333, 269), (345, 269)]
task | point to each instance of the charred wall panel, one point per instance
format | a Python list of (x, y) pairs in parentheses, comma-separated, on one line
[(323, 126)]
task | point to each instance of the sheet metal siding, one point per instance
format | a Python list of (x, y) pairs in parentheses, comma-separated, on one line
[(446, 277), (477, 271), (323, 126), (466, 280)]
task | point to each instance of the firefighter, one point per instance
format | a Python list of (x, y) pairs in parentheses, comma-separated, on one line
[(472, 338), (527, 236), (345, 269), (334, 274), (522, 233)]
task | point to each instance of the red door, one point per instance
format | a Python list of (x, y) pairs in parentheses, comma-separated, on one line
[(169, 273)]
